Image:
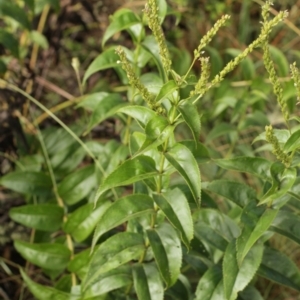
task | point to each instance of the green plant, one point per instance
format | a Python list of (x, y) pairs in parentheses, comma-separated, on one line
[(159, 232)]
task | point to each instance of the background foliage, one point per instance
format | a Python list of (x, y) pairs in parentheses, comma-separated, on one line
[(73, 119)]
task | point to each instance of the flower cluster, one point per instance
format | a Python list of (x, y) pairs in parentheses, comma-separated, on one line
[(210, 34), (202, 82), (266, 29), (295, 73), (151, 10), (135, 82), (277, 151), (269, 65)]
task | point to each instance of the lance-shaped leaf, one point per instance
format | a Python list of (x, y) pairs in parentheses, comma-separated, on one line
[(48, 256), (282, 180), (184, 162), (176, 208), (191, 117), (249, 293), (230, 269), (45, 292), (82, 221), (122, 19), (123, 210), (236, 278), (217, 221), (132, 170), (109, 281), (46, 217), (166, 248), (236, 192), (262, 225), (166, 90), (293, 142), (257, 166), (114, 252), (106, 60), (77, 185), (279, 268), (287, 224), (26, 182), (157, 131), (181, 289), (106, 108), (220, 130), (150, 45), (282, 136), (208, 235), (147, 282), (209, 283), (140, 113), (199, 151)]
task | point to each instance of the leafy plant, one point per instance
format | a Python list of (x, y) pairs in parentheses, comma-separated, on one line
[(160, 232)]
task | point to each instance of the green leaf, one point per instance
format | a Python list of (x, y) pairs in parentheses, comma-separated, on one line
[(150, 45), (181, 158), (190, 115), (293, 142), (282, 180), (82, 221), (147, 282), (45, 292), (220, 130), (218, 221), (48, 256), (109, 281), (39, 39), (30, 183), (122, 19), (9, 42), (79, 263), (114, 252), (234, 191), (140, 113), (106, 60), (10, 9), (250, 293), (257, 166), (236, 278), (208, 283), (230, 269), (77, 185), (106, 108), (46, 217), (157, 131), (280, 61), (166, 248), (248, 269), (209, 236), (121, 211), (261, 227), (279, 268), (281, 134), (199, 151), (285, 224), (176, 208), (133, 170), (166, 90), (181, 289)]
